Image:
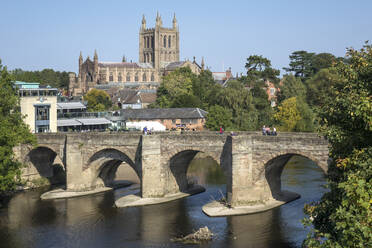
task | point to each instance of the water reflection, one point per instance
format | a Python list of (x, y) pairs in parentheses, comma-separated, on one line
[(93, 221)]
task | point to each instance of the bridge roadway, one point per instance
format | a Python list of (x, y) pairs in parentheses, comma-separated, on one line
[(252, 163)]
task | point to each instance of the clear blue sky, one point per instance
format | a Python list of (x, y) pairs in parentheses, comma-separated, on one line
[(42, 34)]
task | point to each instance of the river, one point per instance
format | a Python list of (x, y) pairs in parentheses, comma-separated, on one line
[(93, 221)]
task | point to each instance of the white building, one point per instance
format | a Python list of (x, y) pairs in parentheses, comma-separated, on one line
[(39, 105)]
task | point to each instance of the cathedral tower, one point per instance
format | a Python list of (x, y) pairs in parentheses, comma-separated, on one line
[(159, 46)]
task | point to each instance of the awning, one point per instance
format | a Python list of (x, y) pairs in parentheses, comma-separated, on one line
[(94, 121), (68, 123), (70, 105)]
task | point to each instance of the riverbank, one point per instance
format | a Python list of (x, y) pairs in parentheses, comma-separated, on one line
[(62, 193), (219, 209), (137, 200)]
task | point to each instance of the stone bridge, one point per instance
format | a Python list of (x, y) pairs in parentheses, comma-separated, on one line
[(252, 163)]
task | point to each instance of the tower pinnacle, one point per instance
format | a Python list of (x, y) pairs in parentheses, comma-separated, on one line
[(143, 22), (158, 20), (174, 21), (95, 55)]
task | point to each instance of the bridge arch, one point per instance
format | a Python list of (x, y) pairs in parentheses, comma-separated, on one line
[(48, 164), (102, 166), (273, 168), (179, 162)]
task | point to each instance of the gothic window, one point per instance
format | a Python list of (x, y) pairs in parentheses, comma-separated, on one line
[(102, 77), (148, 42), (111, 78), (136, 77), (165, 41), (88, 77), (152, 77), (144, 78), (144, 42), (128, 77), (169, 41), (119, 77)]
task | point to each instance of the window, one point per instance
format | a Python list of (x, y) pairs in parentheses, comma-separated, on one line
[(42, 113), (144, 78), (88, 77), (119, 77), (136, 77), (152, 77), (165, 41), (169, 42), (152, 41), (272, 91), (111, 78), (148, 42), (128, 77)]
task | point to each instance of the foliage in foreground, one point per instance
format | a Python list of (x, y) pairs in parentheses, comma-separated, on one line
[(343, 217), (13, 131)]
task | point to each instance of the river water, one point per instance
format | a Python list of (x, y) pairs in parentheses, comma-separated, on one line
[(93, 221)]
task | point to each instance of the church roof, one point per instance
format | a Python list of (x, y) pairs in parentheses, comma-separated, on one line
[(174, 65), (145, 65), (118, 64)]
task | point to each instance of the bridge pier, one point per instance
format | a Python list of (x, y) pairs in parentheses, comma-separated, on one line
[(153, 182), (74, 166)]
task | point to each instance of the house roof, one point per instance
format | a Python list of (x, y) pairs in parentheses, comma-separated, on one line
[(134, 96), (165, 113), (148, 97)]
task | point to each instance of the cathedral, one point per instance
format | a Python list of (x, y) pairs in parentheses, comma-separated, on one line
[(159, 54)]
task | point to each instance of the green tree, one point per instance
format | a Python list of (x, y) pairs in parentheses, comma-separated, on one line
[(259, 69), (307, 121), (13, 131), (218, 117), (320, 86), (300, 64), (322, 61), (291, 87), (175, 89), (45, 77), (343, 217), (98, 100), (179, 82), (288, 115)]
